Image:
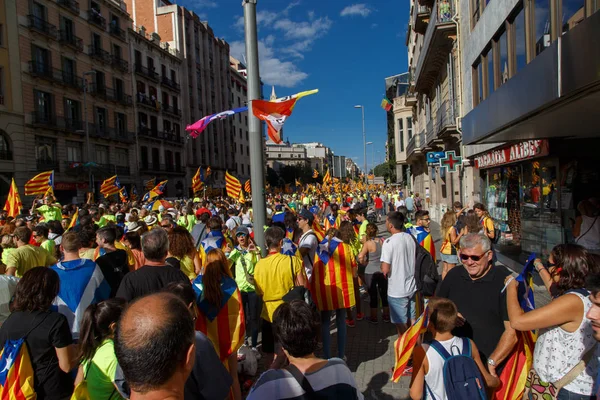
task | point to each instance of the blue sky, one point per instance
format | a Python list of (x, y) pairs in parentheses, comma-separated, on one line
[(343, 48)]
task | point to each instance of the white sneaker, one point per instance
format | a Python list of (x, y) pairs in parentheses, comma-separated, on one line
[(256, 353)]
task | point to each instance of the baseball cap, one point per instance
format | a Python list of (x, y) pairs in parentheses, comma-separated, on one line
[(242, 230), (307, 215)]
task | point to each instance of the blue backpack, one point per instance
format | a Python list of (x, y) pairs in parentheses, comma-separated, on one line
[(462, 378)]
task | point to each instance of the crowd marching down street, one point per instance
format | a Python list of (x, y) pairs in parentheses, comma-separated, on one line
[(156, 299)]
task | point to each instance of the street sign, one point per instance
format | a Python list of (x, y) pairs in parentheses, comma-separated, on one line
[(450, 161), (433, 157)]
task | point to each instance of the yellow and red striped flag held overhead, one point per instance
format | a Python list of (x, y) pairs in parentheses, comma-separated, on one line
[(74, 220), (232, 185), (197, 184), (405, 344), (40, 183), (247, 186), (315, 174), (327, 178), (110, 186), (150, 183), (13, 203)]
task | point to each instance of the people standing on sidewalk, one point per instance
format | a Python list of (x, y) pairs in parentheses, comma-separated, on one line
[(348, 236), (308, 241), (378, 206), (485, 221), (451, 236), (422, 233), (398, 265), (376, 282)]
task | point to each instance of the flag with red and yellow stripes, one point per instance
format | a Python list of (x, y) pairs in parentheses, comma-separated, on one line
[(16, 375), (247, 186), (40, 183), (110, 186), (327, 178), (197, 179), (13, 203), (223, 324), (405, 344), (74, 220), (315, 174), (517, 366), (318, 230), (332, 285), (232, 185)]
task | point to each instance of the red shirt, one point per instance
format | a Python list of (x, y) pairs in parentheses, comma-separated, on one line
[(378, 202)]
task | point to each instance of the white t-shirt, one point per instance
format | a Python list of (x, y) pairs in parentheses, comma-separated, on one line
[(399, 251), (308, 240), (233, 222), (399, 203)]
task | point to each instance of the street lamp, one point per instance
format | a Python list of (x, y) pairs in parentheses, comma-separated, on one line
[(373, 169), (365, 148), (87, 133)]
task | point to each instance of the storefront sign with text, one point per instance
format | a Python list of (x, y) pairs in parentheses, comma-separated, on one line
[(513, 153)]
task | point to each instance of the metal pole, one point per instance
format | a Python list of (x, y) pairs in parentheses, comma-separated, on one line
[(87, 134), (255, 135), (362, 109)]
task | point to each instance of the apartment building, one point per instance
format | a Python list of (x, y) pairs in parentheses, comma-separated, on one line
[(320, 157), (160, 140), (286, 154), (76, 93), (239, 98), (400, 126)]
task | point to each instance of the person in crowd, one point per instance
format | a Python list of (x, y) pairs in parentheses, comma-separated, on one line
[(409, 203), (422, 233), (26, 256), (333, 219), (155, 345), (331, 287), (181, 248), (233, 221), (187, 219), (378, 206), (307, 245), (274, 276), (292, 231), (377, 284), (167, 223), (200, 229), (40, 235), (215, 239), (476, 289), (398, 266), (565, 334), (587, 227), (246, 216), (50, 210), (218, 300), (82, 283), (243, 260), (485, 221), (471, 223), (296, 327), (8, 286), (132, 240), (347, 235), (451, 238), (428, 379), (155, 275), (112, 261), (46, 333), (87, 237), (98, 362)]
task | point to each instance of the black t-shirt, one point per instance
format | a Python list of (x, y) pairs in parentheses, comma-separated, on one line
[(481, 303), (52, 331), (114, 266), (148, 280)]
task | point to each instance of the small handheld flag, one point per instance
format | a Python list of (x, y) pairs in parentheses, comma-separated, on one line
[(197, 180), (247, 186), (232, 185), (13, 203), (40, 183), (74, 220), (315, 174), (386, 104), (405, 344), (110, 186)]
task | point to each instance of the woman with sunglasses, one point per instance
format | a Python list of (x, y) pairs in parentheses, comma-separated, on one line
[(565, 335)]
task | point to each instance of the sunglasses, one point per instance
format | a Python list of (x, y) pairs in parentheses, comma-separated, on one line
[(241, 235), (465, 257)]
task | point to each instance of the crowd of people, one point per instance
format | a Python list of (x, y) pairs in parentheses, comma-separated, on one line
[(177, 300)]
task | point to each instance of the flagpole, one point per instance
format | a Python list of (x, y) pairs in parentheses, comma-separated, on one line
[(256, 142)]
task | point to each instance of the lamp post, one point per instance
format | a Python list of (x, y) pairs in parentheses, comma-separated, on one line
[(87, 132), (365, 149), (373, 169)]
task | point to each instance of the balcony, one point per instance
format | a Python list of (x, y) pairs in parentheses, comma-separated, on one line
[(427, 3), (445, 121), (172, 137), (143, 71), (147, 102), (70, 5), (95, 18), (415, 145), (98, 53), (117, 32), (73, 125), (171, 110), (421, 15), (431, 134), (41, 70), (68, 39), (47, 164), (437, 44), (6, 155), (156, 167), (42, 26), (148, 132), (170, 83), (110, 94), (123, 170), (119, 63)]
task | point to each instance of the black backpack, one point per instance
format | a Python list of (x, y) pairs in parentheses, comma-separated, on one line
[(426, 273)]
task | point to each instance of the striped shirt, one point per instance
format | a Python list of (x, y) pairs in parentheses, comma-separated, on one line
[(333, 381)]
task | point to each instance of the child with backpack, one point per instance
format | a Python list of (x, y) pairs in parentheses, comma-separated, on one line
[(448, 367)]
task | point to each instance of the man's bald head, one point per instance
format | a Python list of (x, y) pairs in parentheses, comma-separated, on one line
[(152, 341)]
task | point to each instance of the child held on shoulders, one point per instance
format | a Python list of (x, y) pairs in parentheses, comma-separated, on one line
[(428, 377)]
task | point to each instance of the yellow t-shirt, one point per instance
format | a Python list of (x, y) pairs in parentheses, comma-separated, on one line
[(27, 257), (273, 276), (187, 267), (488, 224), (447, 245), (48, 245)]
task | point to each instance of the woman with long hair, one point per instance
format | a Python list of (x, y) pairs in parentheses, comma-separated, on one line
[(332, 288), (134, 242), (451, 238), (46, 332), (485, 221), (181, 247), (565, 334), (97, 350), (219, 304), (375, 281), (471, 223), (348, 235)]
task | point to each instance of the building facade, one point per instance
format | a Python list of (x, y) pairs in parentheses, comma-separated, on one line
[(285, 154), (320, 157), (239, 98)]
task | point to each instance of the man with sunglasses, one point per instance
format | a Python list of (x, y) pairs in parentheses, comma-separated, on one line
[(422, 233), (477, 290)]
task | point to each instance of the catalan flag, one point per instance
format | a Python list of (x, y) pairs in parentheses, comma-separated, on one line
[(405, 344), (156, 190), (134, 193), (223, 323), (318, 230), (213, 240), (123, 194), (386, 104), (16, 371), (332, 285), (74, 220), (232, 185), (424, 238), (49, 192), (13, 203), (327, 178), (248, 187), (110, 186), (199, 126), (40, 183), (315, 174), (197, 181), (274, 113), (150, 183), (332, 221)]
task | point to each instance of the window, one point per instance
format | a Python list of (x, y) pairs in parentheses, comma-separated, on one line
[(69, 73), (518, 27), (489, 84), (503, 65), (39, 12), (246, 135), (73, 114), (242, 165), (150, 62), (240, 129), (176, 130), (409, 126), (41, 59), (1, 85), (178, 162), (74, 153), (121, 157), (101, 123), (1, 35), (542, 23), (43, 106), (248, 150), (144, 156), (155, 158), (5, 153), (119, 92), (100, 82), (573, 12), (116, 51), (96, 41), (45, 150), (478, 82), (241, 149), (475, 12), (101, 154), (120, 123)]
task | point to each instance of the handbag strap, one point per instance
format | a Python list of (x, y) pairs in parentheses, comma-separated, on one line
[(301, 379), (589, 229), (292, 271), (576, 370)]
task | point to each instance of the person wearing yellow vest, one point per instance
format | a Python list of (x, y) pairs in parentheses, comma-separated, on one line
[(50, 210)]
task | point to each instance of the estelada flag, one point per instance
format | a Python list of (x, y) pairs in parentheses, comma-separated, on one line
[(332, 285), (332, 221), (134, 193), (74, 220), (405, 345), (40, 183), (232, 185), (123, 195), (197, 180), (516, 368), (13, 203), (110, 186), (315, 173), (223, 323), (16, 371), (150, 183), (213, 240), (327, 178), (274, 113)]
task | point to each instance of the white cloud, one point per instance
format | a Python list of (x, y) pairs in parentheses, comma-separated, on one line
[(205, 4), (311, 15), (304, 29), (293, 4), (356, 9), (263, 18)]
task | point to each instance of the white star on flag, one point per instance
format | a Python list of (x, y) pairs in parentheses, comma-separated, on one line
[(288, 248), (212, 242), (9, 361)]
